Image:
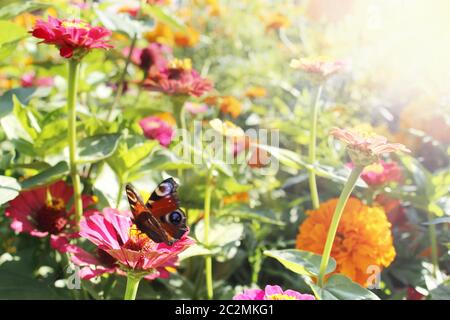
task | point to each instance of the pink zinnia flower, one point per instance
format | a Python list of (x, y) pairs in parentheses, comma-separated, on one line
[(74, 38), (30, 80), (365, 150), (272, 293), (177, 78), (380, 173), (97, 262), (42, 212), (195, 108), (157, 129), (115, 234)]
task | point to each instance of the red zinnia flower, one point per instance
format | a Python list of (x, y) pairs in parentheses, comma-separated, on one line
[(74, 38), (177, 78), (115, 234), (42, 212)]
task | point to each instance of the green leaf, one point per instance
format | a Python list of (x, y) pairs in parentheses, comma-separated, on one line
[(7, 49), (220, 233), (422, 177), (438, 221), (19, 281), (193, 251), (222, 167), (18, 7), (286, 157), (163, 160), (14, 32), (47, 176), (300, 262), (436, 209), (130, 154), (9, 189), (120, 22), (442, 292), (340, 287), (159, 14), (6, 100), (52, 138), (99, 147), (7, 154), (249, 215), (26, 118)]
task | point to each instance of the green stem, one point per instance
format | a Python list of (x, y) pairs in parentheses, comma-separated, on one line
[(208, 259), (312, 148), (180, 117), (345, 194), (119, 194), (434, 246), (132, 286), (121, 85), (72, 136)]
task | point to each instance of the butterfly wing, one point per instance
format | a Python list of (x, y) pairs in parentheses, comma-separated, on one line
[(165, 207), (144, 219)]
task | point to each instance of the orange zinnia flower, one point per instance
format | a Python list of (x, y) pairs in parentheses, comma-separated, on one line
[(160, 33), (363, 238), (187, 38), (231, 105), (255, 92)]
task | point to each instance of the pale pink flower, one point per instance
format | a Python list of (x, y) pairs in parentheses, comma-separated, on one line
[(365, 150), (318, 68), (196, 108)]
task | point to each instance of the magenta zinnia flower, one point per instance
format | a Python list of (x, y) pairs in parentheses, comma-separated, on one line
[(365, 150), (74, 38), (30, 80), (114, 233), (272, 293), (153, 56), (378, 174), (97, 262), (157, 129), (177, 78), (42, 212)]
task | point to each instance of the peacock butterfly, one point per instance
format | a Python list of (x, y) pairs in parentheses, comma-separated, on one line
[(160, 218)]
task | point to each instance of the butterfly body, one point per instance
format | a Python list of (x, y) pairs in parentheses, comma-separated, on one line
[(160, 218)]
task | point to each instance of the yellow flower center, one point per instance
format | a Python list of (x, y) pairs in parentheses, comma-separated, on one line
[(56, 203), (376, 167), (74, 24), (185, 64), (280, 296)]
